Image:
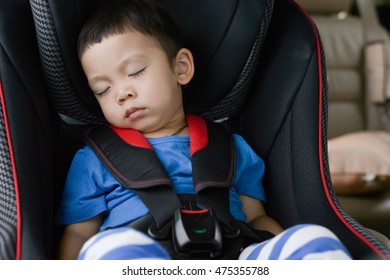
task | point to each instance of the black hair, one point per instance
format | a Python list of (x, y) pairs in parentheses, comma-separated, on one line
[(121, 16)]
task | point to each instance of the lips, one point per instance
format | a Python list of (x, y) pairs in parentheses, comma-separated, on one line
[(133, 113)]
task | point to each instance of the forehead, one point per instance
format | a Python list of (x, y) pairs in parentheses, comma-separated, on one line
[(131, 41), (117, 52)]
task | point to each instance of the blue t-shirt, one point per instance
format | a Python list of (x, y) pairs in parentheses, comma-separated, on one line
[(90, 189)]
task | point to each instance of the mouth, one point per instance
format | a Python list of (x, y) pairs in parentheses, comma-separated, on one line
[(133, 113)]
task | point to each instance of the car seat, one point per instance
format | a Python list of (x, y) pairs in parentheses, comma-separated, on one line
[(260, 72), (353, 117)]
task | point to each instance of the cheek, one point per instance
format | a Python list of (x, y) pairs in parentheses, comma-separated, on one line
[(107, 108), (168, 89), (163, 79), (164, 97)]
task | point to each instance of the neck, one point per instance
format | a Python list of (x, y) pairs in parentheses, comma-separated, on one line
[(174, 129)]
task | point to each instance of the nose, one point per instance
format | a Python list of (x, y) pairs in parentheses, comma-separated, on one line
[(125, 94)]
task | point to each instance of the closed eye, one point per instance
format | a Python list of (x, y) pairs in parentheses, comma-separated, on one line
[(138, 73), (101, 93)]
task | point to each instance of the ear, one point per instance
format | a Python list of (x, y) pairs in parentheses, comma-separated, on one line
[(184, 66)]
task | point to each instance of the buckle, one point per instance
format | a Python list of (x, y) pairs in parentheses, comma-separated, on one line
[(196, 233)]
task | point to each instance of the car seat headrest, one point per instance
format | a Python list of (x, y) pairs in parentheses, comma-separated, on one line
[(325, 6), (225, 37)]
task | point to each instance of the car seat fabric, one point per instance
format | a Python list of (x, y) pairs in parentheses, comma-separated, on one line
[(8, 217), (59, 69), (26, 132), (282, 115)]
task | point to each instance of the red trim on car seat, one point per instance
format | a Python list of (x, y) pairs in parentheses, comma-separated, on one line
[(132, 137), (322, 170), (16, 182), (198, 133), (200, 211)]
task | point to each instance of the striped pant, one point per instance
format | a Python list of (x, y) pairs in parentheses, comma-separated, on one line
[(301, 242)]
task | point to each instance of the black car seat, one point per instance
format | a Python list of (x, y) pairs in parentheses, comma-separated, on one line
[(260, 71), (357, 50)]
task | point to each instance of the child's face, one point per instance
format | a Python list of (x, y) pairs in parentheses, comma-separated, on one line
[(134, 83)]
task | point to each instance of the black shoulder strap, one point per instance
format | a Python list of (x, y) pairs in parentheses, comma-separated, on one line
[(213, 160), (136, 166), (212, 154)]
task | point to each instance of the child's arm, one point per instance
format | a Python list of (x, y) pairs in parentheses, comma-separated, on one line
[(256, 216), (75, 235)]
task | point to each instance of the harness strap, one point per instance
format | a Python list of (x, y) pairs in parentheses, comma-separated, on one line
[(131, 160), (136, 168), (213, 166)]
